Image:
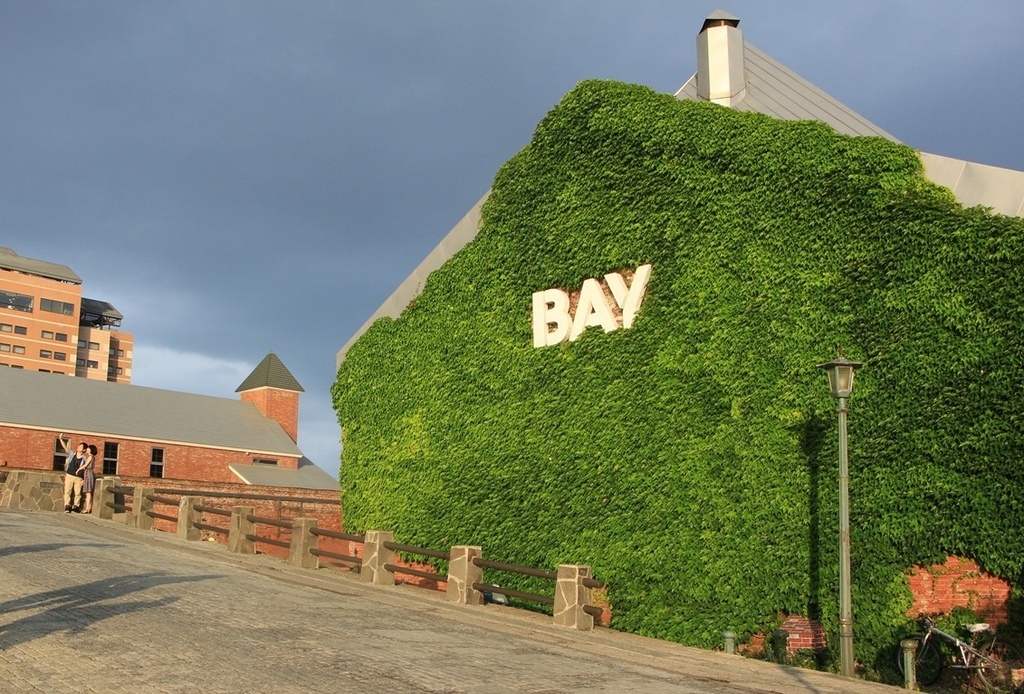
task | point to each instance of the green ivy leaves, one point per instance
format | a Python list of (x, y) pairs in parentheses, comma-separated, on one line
[(692, 459)]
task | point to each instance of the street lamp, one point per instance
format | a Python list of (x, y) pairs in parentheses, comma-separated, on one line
[(840, 379)]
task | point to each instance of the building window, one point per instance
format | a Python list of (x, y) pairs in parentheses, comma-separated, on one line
[(60, 356), (20, 330), (45, 354), (110, 458), (81, 344), (92, 364), (61, 337), (16, 302), (47, 334), (79, 362), (4, 347), (94, 345), (6, 328), (59, 456), (54, 306), (116, 352), (156, 463), (264, 461), (18, 349)]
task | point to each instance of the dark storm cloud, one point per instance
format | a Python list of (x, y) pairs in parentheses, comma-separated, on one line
[(239, 177)]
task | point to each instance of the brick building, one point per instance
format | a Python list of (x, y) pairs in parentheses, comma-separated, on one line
[(144, 432), (47, 325)]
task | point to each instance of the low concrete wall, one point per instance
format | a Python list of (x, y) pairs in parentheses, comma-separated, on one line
[(33, 491)]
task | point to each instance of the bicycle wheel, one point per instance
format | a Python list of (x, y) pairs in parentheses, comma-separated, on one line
[(928, 663), (1005, 674)]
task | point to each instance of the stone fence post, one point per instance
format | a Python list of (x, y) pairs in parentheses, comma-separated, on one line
[(239, 528), (570, 597), (302, 542), (375, 556), (138, 518), (463, 573), (187, 517), (102, 495)]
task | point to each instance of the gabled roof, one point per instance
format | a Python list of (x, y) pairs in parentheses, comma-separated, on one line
[(82, 405), (777, 91), (270, 373), (9, 260)]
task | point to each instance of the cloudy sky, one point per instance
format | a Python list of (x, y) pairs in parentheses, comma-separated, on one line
[(243, 176)]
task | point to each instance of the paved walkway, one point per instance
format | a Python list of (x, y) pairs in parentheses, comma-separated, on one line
[(92, 606)]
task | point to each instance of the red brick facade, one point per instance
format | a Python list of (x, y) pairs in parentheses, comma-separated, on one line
[(34, 449)]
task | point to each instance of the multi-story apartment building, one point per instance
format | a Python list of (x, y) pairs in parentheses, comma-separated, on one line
[(47, 325)]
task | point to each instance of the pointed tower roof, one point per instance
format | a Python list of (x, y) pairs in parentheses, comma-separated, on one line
[(270, 373)]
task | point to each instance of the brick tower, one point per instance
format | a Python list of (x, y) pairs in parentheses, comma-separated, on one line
[(273, 389)]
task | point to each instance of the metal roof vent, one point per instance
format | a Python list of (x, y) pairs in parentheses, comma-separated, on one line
[(720, 75)]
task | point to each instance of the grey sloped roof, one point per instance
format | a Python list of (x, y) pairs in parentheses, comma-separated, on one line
[(777, 91), (81, 405), (307, 476), (270, 373), (9, 260)]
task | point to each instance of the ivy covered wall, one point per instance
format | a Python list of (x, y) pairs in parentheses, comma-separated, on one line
[(692, 459)]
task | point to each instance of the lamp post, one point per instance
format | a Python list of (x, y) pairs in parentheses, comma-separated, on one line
[(840, 379)]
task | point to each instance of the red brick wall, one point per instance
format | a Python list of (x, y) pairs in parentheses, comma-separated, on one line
[(32, 449), (281, 405), (804, 633), (27, 448), (321, 505), (959, 583), (936, 589)]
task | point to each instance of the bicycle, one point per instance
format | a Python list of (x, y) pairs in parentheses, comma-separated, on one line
[(991, 664)]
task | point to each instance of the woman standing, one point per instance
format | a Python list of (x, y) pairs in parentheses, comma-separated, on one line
[(89, 478)]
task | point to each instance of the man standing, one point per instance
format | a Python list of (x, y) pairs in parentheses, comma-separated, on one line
[(72, 480)]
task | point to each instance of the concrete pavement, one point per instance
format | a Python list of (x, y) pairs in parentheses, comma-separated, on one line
[(88, 605)]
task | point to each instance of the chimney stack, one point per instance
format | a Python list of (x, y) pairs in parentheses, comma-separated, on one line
[(720, 76)]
